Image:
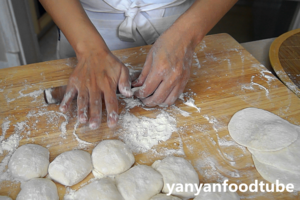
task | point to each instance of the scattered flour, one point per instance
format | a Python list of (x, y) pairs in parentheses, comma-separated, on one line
[(216, 124), (208, 168), (294, 88), (197, 62), (250, 86), (82, 143), (211, 57), (202, 45), (5, 127), (141, 134), (52, 117), (132, 102), (182, 112), (70, 194), (169, 152), (11, 143), (190, 102), (4, 173), (33, 94)]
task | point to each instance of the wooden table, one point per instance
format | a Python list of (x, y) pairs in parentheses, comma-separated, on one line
[(226, 80)]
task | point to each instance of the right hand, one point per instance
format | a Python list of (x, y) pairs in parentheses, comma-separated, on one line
[(96, 76)]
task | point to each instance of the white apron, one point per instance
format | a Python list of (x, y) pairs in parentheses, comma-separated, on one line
[(128, 23)]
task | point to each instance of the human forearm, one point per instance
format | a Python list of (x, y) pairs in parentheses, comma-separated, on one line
[(98, 72), (200, 18), (74, 23)]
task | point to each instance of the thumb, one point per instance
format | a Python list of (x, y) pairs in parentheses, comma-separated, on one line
[(124, 83)]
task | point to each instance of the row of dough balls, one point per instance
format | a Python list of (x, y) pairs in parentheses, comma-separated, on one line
[(273, 142), (109, 157)]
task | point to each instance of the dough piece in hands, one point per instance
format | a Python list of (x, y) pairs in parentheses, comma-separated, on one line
[(285, 159), (5, 198), (70, 167), (139, 183), (37, 189), (217, 195), (177, 170), (102, 189), (164, 197), (111, 157), (262, 130), (29, 161), (271, 174)]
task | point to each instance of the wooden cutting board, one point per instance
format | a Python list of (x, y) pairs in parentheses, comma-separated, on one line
[(285, 59), (225, 78)]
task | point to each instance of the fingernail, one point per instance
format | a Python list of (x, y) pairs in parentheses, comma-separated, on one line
[(135, 82), (93, 125), (82, 119), (62, 108), (128, 92), (112, 119)]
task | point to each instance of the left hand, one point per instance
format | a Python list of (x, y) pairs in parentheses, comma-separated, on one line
[(166, 70)]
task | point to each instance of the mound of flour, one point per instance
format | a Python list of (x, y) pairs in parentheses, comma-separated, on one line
[(141, 134)]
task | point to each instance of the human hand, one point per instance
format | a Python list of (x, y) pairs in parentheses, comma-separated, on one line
[(96, 76), (166, 70)]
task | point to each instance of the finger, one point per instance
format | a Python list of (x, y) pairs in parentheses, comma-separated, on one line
[(95, 109), (111, 104), (151, 83), (175, 93), (160, 95), (146, 69), (124, 83), (82, 103), (71, 92)]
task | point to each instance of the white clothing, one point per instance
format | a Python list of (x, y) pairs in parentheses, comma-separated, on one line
[(124, 24)]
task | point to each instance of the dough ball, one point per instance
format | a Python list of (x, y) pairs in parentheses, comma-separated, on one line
[(286, 159), (164, 197), (262, 130), (111, 157), (38, 189), (141, 182), (70, 167), (222, 195), (29, 161), (102, 189), (177, 170), (271, 174), (5, 198)]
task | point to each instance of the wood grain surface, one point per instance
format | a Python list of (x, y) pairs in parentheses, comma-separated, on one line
[(285, 59), (225, 78)]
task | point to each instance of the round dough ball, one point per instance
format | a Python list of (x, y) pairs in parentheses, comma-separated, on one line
[(37, 189), (262, 130), (70, 167), (217, 195), (5, 198), (111, 157), (102, 189), (29, 161), (177, 170), (271, 174), (139, 183), (280, 158), (164, 197)]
